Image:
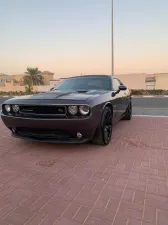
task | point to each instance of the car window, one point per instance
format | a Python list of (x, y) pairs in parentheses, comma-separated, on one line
[(116, 84), (85, 83), (121, 83)]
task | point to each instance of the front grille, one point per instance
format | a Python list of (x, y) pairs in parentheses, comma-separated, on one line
[(43, 110), (44, 133)]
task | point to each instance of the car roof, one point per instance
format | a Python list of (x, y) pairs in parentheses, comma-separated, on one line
[(90, 76)]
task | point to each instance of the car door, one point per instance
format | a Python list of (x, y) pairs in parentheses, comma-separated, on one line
[(125, 97), (117, 100)]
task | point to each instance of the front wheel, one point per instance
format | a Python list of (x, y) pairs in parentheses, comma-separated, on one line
[(104, 130)]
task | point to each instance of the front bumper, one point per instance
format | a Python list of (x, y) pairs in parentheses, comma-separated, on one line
[(85, 126), (52, 140)]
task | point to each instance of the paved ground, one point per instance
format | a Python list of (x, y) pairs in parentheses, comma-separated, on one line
[(125, 183), (142, 106)]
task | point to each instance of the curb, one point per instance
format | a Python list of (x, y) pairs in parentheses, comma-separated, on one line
[(149, 96), (153, 116)]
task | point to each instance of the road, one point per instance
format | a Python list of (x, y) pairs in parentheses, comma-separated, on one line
[(141, 106), (150, 106)]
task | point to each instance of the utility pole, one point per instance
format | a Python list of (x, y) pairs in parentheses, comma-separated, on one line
[(112, 37)]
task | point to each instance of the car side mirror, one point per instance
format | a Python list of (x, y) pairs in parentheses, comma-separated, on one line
[(122, 87)]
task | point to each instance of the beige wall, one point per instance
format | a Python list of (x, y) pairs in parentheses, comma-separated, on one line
[(9, 84), (133, 81), (137, 81), (18, 88), (161, 81), (18, 77), (12, 88), (42, 88), (47, 78)]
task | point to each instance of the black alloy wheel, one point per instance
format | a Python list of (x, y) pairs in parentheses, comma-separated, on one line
[(107, 127), (128, 113), (104, 130)]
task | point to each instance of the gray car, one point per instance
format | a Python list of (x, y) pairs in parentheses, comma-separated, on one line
[(80, 109)]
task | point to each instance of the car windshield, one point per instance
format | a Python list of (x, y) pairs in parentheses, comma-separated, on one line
[(85, 84)]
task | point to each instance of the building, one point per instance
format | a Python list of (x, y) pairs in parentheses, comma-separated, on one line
[(47, 76), (16, 82), (150, 82), (4, 78)]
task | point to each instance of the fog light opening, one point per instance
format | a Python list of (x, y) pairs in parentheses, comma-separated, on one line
[(79, 135)]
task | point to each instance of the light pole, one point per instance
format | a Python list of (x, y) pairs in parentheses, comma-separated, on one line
[(112, 38)]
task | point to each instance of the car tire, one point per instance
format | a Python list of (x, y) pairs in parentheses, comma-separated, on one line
[(104, 130), (128, 112)]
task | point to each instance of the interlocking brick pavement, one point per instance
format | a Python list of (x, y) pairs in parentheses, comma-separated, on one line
[(124, 183)]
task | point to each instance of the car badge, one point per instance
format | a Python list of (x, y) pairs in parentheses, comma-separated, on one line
[(60, 110)]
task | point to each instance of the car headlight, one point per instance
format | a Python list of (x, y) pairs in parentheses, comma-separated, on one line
[(15, 108), (8, 108), (73, 109), (84, 109)]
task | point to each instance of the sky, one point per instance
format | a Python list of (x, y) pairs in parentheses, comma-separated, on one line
[(70, 37)]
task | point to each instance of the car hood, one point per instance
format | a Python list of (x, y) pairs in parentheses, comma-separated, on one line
[(54, 95)]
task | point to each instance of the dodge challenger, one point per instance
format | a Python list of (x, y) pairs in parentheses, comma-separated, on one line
[(78, 110)]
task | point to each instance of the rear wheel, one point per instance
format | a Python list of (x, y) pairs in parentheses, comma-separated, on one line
[(104, 130), (128, 113)]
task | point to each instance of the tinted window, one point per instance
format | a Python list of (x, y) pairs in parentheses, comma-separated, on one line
[(121, 83), (116, 84), (85, 83)]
